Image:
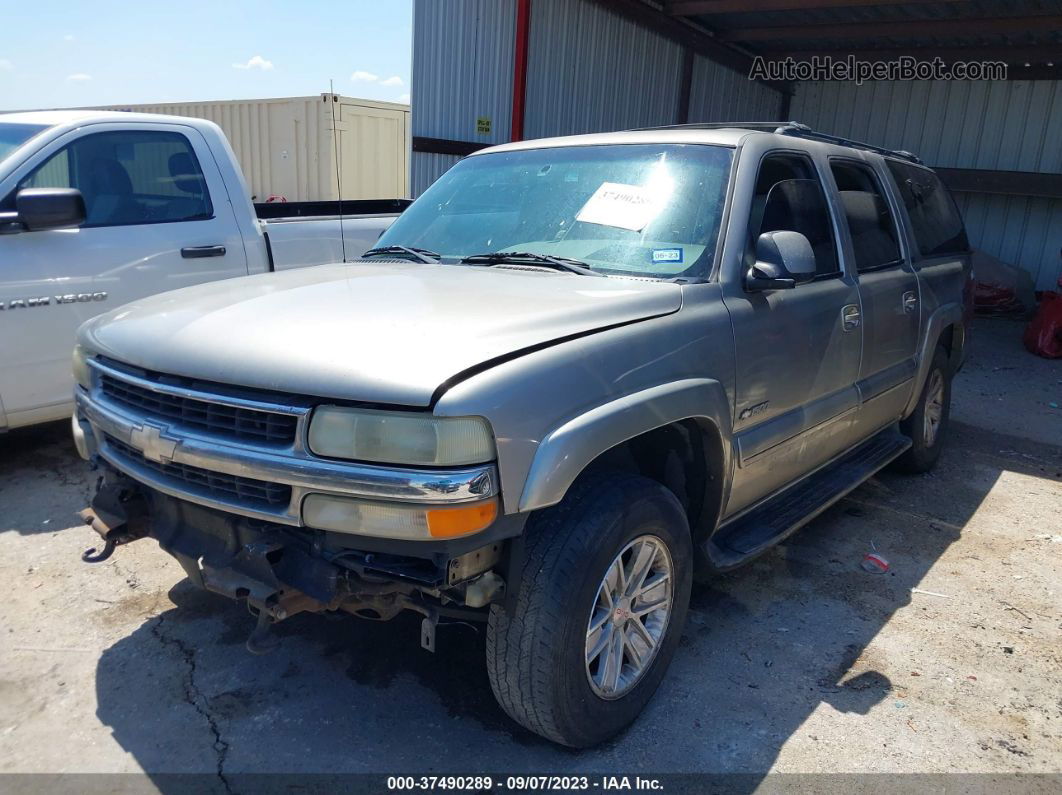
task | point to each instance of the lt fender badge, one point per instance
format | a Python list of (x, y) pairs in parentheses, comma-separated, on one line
[(48, 300), (752, 411), (153, 444)]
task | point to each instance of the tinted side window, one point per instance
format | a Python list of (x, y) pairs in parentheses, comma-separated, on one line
[(129, 177), (875, 241), (935, 219), (789, 197)]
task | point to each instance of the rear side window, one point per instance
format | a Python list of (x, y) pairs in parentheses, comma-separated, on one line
[(935, 219), (129, 177), (875, 241), (789, 197)]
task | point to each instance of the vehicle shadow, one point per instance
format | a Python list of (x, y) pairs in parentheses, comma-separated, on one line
[(764, 648), (41, 460)]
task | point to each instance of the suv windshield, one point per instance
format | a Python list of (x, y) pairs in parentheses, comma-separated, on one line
[(638, 210), (12, 136)]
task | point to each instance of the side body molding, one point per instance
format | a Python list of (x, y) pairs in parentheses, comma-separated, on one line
[(568, 449), (942, 317)]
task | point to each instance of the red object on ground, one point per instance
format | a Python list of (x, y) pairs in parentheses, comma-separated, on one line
[(875, 563), (1043, 335), (993, 299)]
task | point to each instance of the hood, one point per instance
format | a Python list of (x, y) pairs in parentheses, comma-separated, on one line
[(388, 333)]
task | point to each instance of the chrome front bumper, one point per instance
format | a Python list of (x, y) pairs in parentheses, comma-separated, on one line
[(292, 466)]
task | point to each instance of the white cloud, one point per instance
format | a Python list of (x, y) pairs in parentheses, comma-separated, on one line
[(393, 81), (255, 62), (79, 77), (364, 77), (68, 37), (6, 65), (403, 98)]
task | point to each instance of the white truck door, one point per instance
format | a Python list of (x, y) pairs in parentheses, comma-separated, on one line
[(158, 217)]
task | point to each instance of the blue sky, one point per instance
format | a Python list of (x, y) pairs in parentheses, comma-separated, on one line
[(62, 53)]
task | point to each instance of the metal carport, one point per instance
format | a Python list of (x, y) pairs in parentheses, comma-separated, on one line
[(489, 71)]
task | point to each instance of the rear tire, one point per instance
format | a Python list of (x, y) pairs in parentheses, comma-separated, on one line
[(574, 599), (927, 426)]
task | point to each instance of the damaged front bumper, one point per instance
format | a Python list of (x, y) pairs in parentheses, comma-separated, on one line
[(279, 571)]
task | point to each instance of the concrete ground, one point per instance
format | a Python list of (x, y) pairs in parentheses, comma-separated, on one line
[(801, 662)]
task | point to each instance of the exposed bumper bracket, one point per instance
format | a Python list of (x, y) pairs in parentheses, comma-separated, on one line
[(118, 515)]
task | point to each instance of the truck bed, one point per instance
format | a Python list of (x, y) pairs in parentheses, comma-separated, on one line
[(269, 211), (308, 233)]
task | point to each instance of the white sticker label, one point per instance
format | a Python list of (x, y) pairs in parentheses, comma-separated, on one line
[(667, 255), (623, 206)]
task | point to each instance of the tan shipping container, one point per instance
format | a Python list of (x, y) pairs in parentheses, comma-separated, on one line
[(286, 147)]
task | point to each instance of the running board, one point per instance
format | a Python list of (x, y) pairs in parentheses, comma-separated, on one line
[(752, 533)]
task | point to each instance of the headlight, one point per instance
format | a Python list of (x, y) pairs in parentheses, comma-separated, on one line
[(80, 367), (394, 437), (395, 520)]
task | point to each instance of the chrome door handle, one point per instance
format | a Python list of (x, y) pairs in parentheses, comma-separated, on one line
[(850, 317), (910, 302)]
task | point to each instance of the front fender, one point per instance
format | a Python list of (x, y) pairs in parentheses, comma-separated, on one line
[(567, 450), (942, 317)]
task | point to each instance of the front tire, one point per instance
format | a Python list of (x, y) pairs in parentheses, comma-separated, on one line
[(600, 610), (928, 423)]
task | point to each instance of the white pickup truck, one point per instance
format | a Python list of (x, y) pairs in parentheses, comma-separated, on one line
[(100, 208)]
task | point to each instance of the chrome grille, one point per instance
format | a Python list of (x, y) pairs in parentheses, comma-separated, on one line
[(216, 418), (232, 488)]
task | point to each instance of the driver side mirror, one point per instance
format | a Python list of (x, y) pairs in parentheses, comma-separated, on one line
[(39, 209), (783, 259)]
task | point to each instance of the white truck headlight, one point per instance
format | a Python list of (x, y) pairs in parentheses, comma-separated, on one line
[(80, 367), (394, 437)]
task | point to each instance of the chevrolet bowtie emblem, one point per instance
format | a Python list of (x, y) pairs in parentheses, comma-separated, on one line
[(151, 442)]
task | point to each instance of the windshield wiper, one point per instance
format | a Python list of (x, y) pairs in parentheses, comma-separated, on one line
[(421, 254), (525, 257)]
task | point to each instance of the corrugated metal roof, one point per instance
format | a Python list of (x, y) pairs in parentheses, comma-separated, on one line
[(590, 70), (730, 25), (463, 68), (721, 94), (1026, 232), (427, 167), (1007, 126), (881, 13), (1014, 125)]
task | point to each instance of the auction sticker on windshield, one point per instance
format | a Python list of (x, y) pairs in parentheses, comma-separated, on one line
[(623, 206)]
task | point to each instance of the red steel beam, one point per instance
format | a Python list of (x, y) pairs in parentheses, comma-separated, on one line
[(523, 29)]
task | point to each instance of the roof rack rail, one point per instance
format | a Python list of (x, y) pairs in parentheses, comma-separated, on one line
[(799, 130), (793, 128), (715, 125)]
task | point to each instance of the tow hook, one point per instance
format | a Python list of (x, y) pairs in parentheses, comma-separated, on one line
[(427, 630), (262, 640), (91, 556), (116, 514)]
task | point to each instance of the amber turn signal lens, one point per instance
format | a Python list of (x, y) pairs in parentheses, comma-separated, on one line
[(461, 520)]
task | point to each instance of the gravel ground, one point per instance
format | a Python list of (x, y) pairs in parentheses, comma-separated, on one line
[(800, 662)]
